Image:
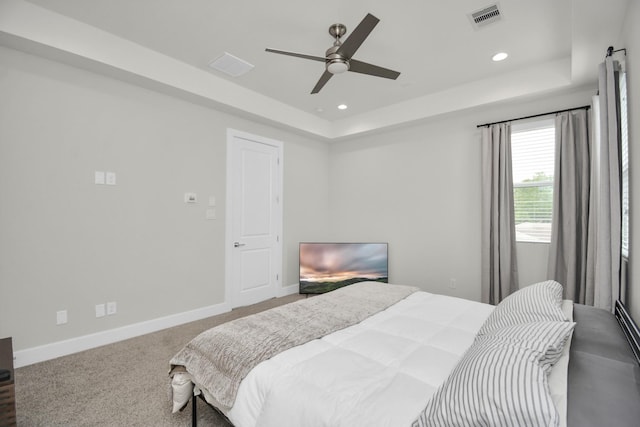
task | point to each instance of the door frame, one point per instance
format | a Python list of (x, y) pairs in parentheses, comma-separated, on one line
[(228, 241)]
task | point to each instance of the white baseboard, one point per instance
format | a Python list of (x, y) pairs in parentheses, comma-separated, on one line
[(41, 353), (288, 290)]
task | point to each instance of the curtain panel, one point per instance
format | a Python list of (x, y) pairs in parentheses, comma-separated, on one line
[(608, 227), (572, 200), (585, 249), (499, 264)]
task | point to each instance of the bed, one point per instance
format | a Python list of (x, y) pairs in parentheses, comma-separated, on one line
[(390, 355)]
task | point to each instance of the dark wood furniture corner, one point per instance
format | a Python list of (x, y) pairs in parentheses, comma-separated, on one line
[(7, 388)]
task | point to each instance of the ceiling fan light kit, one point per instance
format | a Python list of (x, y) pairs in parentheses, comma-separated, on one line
[(337, 66), (339, 57), (335, 63)]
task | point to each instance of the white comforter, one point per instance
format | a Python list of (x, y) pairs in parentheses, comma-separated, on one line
[(380, 372)]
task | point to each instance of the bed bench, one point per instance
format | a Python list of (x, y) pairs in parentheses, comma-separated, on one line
[(604, 376)]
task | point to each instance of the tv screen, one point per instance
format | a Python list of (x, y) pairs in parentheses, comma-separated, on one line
[(328, 266)]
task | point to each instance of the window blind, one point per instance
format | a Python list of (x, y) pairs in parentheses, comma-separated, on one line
[(624, 136), (532, 150)]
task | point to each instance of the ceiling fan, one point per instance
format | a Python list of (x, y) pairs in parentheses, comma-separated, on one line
[(339, 57)]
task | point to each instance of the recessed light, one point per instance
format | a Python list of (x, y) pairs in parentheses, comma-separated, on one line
[(342, 107), (501, 56)]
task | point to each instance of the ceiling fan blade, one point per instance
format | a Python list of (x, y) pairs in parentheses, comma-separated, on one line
[(374, 70), (357, 36), (324, 78), (298, 55)]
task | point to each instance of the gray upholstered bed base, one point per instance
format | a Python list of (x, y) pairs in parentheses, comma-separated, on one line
[(604, 376)]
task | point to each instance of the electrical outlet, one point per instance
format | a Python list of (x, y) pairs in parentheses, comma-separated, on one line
[(110, 178), (100, 310), (61, 317), (452, 283), (112, 308)]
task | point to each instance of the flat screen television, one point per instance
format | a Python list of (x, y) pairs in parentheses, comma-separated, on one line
[(328, 266)]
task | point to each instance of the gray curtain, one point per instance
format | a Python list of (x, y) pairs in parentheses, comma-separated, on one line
[(568, 259), (499, 266), (609, 209), (585, 250)]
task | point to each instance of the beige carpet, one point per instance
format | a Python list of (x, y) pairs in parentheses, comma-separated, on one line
[(122, 384)]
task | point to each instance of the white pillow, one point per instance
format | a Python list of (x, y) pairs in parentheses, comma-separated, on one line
[(535, 303), (181, 391), (500, 381)]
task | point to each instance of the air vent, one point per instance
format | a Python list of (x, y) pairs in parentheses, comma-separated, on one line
[(231, 65), (485, 16)]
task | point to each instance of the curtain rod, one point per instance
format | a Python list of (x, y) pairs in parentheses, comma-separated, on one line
[(584, 107), (610, 51)]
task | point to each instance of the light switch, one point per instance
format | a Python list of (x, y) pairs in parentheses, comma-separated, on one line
[(110, 178), (212, 200), (99, 178), (211, 214)]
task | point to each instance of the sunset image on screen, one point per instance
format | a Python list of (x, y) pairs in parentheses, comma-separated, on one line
[(329, 266)]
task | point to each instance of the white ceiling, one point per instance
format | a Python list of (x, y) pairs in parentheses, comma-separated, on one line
[(445, 63)]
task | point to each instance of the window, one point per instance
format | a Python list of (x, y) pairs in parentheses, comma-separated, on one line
[(624, 136), (532, 151)]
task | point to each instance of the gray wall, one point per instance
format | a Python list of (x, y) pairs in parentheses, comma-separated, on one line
[(66, 243), (418, 188), (532, 262)]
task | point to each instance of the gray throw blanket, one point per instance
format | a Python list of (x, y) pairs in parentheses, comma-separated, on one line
[(218, 359)]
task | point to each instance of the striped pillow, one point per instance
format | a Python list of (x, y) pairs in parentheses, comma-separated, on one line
[(538, 302), (498, 382), (547, 338)]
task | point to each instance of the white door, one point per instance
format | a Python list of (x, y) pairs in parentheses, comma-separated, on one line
[(254, 218)]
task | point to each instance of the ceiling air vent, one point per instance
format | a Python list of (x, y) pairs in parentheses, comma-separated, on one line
[(231, 65), (485, 16)]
